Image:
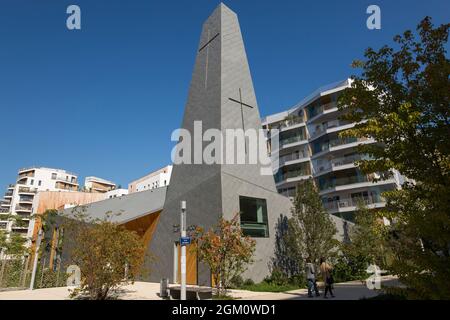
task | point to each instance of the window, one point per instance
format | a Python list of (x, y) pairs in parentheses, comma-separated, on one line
[(53, 176), (32, 182), (39, 183), (254, 217)]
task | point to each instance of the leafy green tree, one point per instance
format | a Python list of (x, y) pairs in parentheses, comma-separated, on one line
[(12, 243), (226, 251), (402, 100), (366, 244), (108, 255), (310, 231)]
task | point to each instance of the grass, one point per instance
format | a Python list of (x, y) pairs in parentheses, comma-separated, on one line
[(222, 297), (269, 287)]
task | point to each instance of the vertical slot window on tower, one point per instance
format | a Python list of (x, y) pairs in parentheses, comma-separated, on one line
[(254, 217)]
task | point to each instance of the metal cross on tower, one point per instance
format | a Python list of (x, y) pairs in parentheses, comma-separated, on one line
[(206, 45), (242, 104)]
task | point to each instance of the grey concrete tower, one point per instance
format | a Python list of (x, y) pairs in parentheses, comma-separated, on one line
[(221, 96)]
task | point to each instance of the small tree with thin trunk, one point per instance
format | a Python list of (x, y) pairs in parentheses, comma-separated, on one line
[(225, 250), (108, 255), (310, 231)]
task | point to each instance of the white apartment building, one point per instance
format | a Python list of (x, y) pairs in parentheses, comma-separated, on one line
[(96, 184), (156, 179), (309, 147), (116, 193), (18, 199)]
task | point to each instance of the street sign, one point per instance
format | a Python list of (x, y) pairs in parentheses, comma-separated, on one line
[(185, 241)]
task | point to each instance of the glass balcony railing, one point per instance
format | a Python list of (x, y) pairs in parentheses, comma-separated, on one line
[(291, 174), (341, 161), (286, 123), (327, 125), (293, 139), (312, 112), (332, 183), (352, 202), (293, 156)]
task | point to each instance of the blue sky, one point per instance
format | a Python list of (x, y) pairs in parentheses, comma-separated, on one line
[(104, 100)]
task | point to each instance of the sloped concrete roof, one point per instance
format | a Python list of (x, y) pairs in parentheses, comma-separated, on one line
[(125, 208)]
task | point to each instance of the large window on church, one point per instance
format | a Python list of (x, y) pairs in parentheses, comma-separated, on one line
[(254, 217)]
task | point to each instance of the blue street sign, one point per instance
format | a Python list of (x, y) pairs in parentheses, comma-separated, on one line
[(185, 241)]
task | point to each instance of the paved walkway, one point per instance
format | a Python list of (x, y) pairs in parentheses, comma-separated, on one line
[(354, 290)]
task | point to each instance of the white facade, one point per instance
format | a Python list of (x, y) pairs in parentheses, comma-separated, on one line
[(96, 184), (19, 198), (116, 193), (156, 179), (310, 147)]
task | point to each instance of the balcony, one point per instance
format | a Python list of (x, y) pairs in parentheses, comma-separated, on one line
[(20, 208), (293, 139), (316, 112), (26, 199), (351, 204), (27, 190), (26, 175), (291, 176), (4, 210), (328, 127), (293, 157), (67, 180), (330, 184), (356, 181), (338, 144), (340, 163)]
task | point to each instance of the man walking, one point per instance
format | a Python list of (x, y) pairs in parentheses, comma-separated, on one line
[(311, 278)]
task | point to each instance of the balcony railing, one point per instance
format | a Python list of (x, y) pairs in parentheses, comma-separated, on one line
[(342, 161), (352, 202), (327, 125), (292, 140), (66, 180), (293, 156), (318, 110), (329, 184), (26, 199), (287, 122), (291, 174), (22, 208), (27, 190)]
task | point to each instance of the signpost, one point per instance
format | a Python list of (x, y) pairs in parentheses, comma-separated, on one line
[(183, 241)]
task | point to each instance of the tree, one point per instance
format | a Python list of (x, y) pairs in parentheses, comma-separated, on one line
[(13, 244), (402, 100), (310, 229), (107, 254), (225, 250), (367, 244)]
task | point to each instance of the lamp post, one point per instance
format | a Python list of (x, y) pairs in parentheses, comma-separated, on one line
[(183, 250)]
